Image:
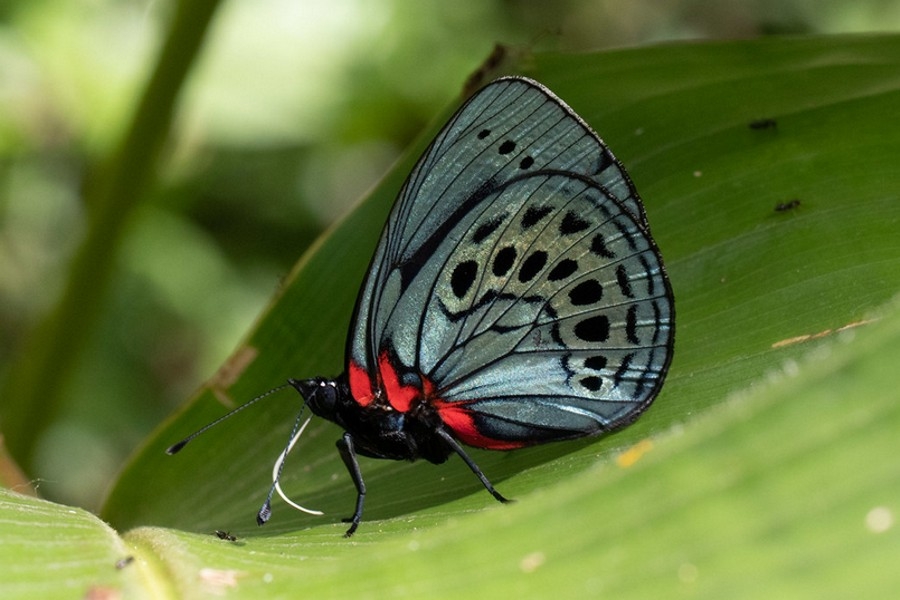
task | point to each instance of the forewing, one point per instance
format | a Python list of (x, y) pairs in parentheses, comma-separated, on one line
[(512, 126)]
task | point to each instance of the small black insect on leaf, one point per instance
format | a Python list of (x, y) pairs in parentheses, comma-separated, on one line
[(124, 562), (759, 124), (225, 535), (787, 206)]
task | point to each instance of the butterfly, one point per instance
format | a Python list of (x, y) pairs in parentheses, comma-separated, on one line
[(516, 297)]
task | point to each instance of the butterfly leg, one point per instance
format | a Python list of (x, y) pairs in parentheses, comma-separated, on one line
[(348, 455), (451, 441)]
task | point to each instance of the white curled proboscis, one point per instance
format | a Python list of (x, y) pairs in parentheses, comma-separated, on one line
[(277, 467)]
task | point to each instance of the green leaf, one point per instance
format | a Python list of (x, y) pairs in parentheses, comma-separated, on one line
[(766, 466), (52, 551)]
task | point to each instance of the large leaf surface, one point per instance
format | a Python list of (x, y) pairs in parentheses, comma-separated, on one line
[(766, 466)]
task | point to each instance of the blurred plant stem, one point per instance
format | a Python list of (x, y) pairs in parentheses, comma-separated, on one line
[(38, 378)]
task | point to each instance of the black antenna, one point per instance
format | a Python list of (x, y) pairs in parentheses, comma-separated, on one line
[(177, 447)]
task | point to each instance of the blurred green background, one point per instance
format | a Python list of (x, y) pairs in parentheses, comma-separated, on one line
[(291, 112)]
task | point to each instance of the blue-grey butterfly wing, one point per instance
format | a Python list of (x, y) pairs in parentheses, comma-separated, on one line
[(512, 151), (552, 319)]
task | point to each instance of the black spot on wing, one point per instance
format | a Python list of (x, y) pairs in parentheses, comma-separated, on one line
[(503, 261), (631, 325), (591, 382), (532, 265), (534, 214), (604, 161), (563, 269), (463, 277), (572, 223), (597, 363), (587, 292), (623, 282), (506, 147), (484, 230), (620, 373), (554, 333), (593, 329), (598, 247), (626, 233)]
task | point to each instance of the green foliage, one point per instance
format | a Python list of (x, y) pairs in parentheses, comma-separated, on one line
[(32, 395), (765, 468)]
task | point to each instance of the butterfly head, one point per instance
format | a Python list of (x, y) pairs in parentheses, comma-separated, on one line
[(320, 394)]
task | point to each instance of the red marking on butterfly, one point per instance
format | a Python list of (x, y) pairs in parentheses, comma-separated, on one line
[(461, 420), (400, 396), (360, 385)]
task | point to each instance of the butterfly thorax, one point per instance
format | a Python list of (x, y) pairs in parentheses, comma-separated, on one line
[(378, 429)]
